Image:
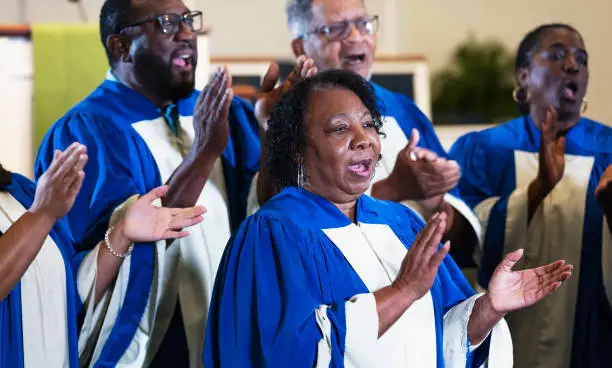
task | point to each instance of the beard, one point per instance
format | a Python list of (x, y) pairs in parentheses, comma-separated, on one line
[(156, 75)]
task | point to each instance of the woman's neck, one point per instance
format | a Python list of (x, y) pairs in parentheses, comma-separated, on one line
[(346, 205), (348, 209), (563, 123)]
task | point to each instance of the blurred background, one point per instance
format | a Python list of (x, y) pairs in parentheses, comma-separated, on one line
[(453, 58)]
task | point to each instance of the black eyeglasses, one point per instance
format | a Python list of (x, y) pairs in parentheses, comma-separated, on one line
[(341, 30), (171, 23)]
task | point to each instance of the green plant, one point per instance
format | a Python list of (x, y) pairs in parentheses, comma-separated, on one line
[(477, 85)]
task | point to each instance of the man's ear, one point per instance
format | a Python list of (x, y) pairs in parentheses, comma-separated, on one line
[(119, 46)]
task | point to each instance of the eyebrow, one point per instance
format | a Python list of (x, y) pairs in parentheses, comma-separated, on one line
[(561, 44), (361, 115)]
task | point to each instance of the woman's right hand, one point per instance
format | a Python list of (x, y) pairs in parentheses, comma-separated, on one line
[(551, 153), (58, 187), (420, 266)]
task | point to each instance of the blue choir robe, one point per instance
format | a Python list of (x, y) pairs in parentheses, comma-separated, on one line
[(400, 116), (131, 151), (295, 288), (43, 313), (572, 327)]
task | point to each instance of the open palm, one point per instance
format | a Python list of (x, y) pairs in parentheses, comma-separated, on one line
[(146, 222), (511, 290)]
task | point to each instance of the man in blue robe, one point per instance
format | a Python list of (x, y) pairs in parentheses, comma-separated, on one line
[(542, 182), (145, 125), (414, 169)]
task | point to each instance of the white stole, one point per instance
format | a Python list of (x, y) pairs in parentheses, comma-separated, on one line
[(190, 263), (543, 333), (376, 255), (43, 298)]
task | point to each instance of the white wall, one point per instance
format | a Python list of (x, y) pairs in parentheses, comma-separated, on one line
[(429, 27)]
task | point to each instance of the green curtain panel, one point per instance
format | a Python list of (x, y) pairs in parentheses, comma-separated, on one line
[(69, 62)]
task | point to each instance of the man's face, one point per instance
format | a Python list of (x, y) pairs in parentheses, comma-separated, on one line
[(164, 51), (346, 38)]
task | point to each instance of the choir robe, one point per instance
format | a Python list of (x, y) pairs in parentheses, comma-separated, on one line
[(53, 301), (131, 151), (572, 327), (295, 288)]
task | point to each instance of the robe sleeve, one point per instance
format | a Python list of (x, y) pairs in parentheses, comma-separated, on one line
[(119, 166), (457, 299), (241, 161), (266, 307)]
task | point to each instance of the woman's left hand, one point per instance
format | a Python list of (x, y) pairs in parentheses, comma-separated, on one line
[(512, 290), (145, 222)]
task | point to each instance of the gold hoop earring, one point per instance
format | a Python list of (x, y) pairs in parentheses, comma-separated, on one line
[(515, 94), (584, 106)]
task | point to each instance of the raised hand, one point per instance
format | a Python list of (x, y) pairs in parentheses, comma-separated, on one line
[(420, 174), (211, 113), (58, 187), (603, 192), (145, 222), (551, 153), (512, 290), (420, 266), (269, 94)]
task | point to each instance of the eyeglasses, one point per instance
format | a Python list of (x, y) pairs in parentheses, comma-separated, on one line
[(341, 30), (171, 23)]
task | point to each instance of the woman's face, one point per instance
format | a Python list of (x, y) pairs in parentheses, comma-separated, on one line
[(558, 74), (342, 146)]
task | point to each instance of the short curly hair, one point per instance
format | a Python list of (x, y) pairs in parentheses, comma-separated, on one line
[(286, 134)]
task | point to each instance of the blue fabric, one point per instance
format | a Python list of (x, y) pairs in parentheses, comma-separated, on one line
[(171, 116), (280, 267), (121, 165), (487, 161), (11, 338)]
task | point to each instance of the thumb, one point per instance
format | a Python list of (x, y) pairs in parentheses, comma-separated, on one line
[(414, 140), (510, 260), (155, 194), (271, 78), (561, 145)]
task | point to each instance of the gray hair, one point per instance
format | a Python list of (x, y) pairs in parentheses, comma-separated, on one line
[(299, 15)]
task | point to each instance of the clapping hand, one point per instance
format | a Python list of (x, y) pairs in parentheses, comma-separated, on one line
[(58, 187), (269, 94), (512, 290)]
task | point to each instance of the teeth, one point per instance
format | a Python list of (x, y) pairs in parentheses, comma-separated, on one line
[(185, 57)]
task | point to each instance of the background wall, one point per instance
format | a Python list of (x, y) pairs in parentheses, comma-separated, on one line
[(429, 27)]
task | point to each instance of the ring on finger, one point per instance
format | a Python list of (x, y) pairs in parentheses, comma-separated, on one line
[(413, 156)]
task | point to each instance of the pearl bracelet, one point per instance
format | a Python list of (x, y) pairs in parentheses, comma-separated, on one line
[(110, 249)]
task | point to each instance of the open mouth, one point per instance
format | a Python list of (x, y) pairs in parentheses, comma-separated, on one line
[(569, 90), (355, 58), (362, 168), (183, 61)]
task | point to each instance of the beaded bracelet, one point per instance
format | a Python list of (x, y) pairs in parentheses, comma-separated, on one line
[(110, 249)]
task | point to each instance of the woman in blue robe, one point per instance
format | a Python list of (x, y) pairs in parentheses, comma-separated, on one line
[(324, 275), (541, 182), (45, 299)]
